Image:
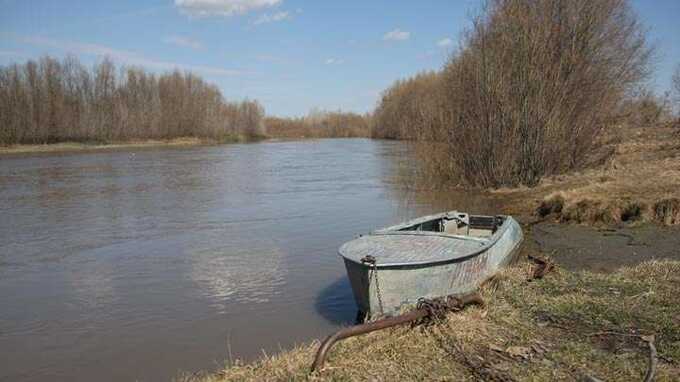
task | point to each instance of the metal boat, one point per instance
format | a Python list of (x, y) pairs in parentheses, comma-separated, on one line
[(429, 257)]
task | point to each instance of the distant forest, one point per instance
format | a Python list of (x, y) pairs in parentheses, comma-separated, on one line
[(52, 101), (527, 94), (321, 124)]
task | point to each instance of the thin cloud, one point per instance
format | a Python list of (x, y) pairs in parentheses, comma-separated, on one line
[(124, 56), (428, 55), (269, 58), (334, 61), (10, 53), (184, 42), (444, 42), (276, 17), (397, 35), (222, 8)]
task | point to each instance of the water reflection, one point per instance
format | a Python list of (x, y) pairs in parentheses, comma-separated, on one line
[(336, 303), (424, 202), (232, 275), (150, 260), (415, 196), (93, 284)]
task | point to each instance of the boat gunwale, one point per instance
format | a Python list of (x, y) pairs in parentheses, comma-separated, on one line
[(392, 230), (420, 220)]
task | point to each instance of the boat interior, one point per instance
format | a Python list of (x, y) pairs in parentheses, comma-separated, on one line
[(460, 224)]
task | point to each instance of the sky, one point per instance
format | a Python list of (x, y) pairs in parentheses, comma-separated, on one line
[(291, 55)]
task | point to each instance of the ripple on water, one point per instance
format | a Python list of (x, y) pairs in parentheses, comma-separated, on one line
[(252, 275)]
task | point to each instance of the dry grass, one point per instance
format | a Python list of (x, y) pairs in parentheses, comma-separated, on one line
[(563, 327), (638, 182), (558, 328), (76, 146)]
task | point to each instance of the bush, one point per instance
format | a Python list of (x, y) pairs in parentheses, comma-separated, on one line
[(645, 109), (535, 84), (532, 87), (675, 90), (413, 109)]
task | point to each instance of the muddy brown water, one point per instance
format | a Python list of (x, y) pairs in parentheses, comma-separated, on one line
[(137, 265)]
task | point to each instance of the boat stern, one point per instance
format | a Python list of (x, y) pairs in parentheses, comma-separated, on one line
[(358, 275)]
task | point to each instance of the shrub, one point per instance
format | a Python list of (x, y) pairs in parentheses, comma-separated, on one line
[(531, 88), (645, 109), (667, 211), (535, 83), (553, 204), (413, 109), (675, 90)]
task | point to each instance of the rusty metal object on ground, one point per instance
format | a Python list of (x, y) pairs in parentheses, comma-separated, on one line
[(427, 310), (543, 266)]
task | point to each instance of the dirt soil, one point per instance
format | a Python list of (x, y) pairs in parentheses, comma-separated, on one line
[(578, 247)]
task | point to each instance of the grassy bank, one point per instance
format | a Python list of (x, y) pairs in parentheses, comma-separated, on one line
[(95, 146), (633, 178), (568, 326), (564, 327), (103, 146)]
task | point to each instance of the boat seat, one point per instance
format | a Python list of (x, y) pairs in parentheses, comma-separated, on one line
[(478, 222)]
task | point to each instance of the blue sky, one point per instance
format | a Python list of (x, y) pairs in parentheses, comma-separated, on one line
[(291, 55)]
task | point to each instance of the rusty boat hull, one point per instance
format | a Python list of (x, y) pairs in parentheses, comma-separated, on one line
[(434, 256)]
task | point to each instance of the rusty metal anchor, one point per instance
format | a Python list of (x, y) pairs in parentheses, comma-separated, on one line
[(450, 303)]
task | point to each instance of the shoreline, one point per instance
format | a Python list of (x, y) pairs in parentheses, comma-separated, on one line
[(74, 147), (612, 231), (71, 146), (68, 147), (566, 325)]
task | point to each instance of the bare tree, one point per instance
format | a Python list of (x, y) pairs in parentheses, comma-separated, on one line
[(413, 109), (532, 86), (676, 90), (49, 101), (321, 124)]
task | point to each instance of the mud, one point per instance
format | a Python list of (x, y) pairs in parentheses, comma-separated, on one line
[(577, 247)]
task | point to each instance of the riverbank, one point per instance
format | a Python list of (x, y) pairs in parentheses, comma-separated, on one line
[(611, 230), (566, 326), (65, 147), (631, 179)]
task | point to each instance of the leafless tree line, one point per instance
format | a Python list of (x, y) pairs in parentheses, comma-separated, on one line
[(675, 90), (645, 108), (413, 109), (51, 101), (320, 124), (532, 86)]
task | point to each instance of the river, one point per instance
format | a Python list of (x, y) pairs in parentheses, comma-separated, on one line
[(141, 264)]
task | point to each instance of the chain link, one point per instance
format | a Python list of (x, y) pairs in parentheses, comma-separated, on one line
[(373, 274), (377, 289), (436, 324)]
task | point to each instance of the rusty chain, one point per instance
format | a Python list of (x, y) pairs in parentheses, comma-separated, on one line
[(373, 273)]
